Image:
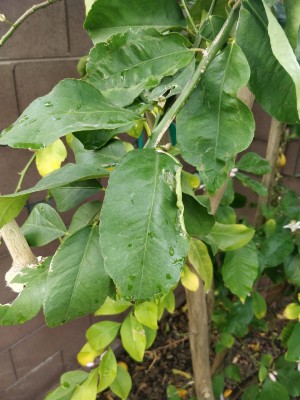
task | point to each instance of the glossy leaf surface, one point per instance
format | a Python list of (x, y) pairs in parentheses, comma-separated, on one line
[(133, 337), (133, 62), (240, 270), (102, 334), (108, 17), (29, 301), (283, 51), (77, 283), (272, 86), (43, 225), (69, 196), (214, 125), (231, 237), (201, 261), (121, 386), (142, 234), (72, 106), (107, 370)]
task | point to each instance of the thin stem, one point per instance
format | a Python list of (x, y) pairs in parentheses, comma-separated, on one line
[(208, 56), (210, 11), (18, 22), (187, 11), (23, 173)]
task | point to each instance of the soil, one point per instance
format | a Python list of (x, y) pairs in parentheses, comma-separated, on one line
[(169, 360)]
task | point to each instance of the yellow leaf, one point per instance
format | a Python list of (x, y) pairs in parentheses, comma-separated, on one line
[(87, 355), (292, 311), (189, 280), (184, 374), (227, 393), (50, 158), (123, 365)]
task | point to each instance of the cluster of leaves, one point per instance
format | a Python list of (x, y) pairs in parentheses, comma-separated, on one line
[(132, 248)]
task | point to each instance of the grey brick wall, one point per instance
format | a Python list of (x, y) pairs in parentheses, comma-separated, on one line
[(44, 50)]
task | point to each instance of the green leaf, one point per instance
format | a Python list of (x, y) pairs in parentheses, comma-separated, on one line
[(277, 248), (196, 218), (102, 334), (171, 85), (273, 391), (69, 196), (95, 140), (211, 27), (256, 186), (272, 86), (231, 237), (143, 240), (233, 372), (134, 61), (146, 313), (68, 382), (77, 283), (262, 373), (292, 10), (201, 261), (166, 302), (226, 341), (29, 301), (210, 113), (218, 385), (107, 370), (72, 106), (10, 207), (240, 270), (88, 389), (133, 337), (108, 155), (292, 269), (254, 164), (150, 336), (12, 204), (43, 226), (288, 375), (172, 393), (121, 386), (259, 305), (108, 17), (293, 347), (251, 393), (283, 51), (113, 307), (85, 215)]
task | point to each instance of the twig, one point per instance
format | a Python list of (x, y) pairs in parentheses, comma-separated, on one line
[(23, 173), (210, 54), (18, 22), (187, 11)]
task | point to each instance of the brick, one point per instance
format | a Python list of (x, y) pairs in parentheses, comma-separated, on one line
[(292, 152), (37, 79), (12, 334), (13, 161), (43, 34), (6, 294), (292, 184), (262, 122), (36, 383), (79, 41), (8, 100), (37, 347), (7, 374)]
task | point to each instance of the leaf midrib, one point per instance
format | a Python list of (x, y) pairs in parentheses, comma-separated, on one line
[(149, 221)]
